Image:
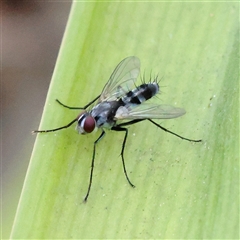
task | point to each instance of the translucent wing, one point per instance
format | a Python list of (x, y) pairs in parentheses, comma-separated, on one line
[(122, 79), (144, 111)]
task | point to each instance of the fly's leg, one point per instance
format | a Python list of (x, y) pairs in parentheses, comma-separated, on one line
[(95, 99), (156, 124), (164, 129), (56, 129), (117, 128), (62, 104), (92, 165)]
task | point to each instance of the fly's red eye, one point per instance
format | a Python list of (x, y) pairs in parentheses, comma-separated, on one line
[(86, 123), (89, 124)]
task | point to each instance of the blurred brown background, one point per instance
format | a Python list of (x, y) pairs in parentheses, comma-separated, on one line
[(31, 36)]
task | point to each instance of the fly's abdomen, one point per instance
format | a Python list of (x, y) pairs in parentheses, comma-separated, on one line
[(141, 93)]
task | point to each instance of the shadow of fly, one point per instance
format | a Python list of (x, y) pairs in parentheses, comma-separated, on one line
[(119, 105)]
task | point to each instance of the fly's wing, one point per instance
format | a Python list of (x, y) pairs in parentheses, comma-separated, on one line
[(122, 79), (145, 111)]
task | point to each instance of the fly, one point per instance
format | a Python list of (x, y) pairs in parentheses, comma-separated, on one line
[(118, 106)]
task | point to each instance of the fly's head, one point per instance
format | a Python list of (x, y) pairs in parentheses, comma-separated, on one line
[(86, 123)]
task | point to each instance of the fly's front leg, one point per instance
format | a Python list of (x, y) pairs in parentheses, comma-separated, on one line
[(55, 129), (120, 129), (92, 165), (62, 104)]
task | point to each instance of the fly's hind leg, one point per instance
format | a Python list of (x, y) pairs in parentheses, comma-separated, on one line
[(166, 130)]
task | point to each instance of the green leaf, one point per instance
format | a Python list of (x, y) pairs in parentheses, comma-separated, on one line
[(183, 190)]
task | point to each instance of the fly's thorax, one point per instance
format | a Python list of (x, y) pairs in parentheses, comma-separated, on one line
[(86, 123), (141, 93), (104, 113)]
